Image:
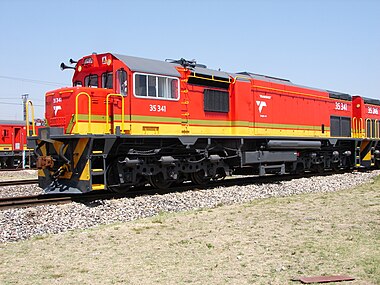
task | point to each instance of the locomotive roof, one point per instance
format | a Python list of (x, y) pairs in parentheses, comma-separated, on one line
[(145, 65), (12, 122), (332, 94), (371, 101)]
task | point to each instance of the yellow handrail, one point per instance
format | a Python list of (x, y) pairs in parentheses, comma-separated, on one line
[(354, 127), (368, 128), (361, 132), (357, 127), (122, 111), (27, 118), (211, 79), (234, 79), (376, 128), (76, 111)]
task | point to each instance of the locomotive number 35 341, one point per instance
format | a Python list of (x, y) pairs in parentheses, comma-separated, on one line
[(157, 108)]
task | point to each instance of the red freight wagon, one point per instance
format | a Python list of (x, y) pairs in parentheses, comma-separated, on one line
[(13, 150)]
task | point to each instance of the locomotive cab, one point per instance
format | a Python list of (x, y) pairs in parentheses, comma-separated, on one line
[(79, 109)]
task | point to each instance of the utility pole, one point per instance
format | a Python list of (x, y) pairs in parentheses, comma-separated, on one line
[(24, 100)]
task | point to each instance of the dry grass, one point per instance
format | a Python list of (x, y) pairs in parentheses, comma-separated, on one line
[(265, 242)]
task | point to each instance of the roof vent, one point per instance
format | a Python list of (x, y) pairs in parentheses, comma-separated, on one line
[(186, 63)]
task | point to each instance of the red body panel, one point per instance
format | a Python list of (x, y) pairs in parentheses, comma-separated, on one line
[(12, 137), (253, 103)]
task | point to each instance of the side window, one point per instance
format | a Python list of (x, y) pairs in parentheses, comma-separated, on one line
[(78, 83), (140, 85), (173, 88), (121, 82), (107, 79), (91, 81), (156, 86), (152, 86)]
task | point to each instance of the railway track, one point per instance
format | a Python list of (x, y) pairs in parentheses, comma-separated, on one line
[(18, 182), (15, 169), (28, 201), (46, 199)]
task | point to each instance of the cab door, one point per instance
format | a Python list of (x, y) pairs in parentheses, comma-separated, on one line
[(17, 138), (119, 104)]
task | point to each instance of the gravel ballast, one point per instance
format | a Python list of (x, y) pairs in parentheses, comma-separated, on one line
[(18, 224)]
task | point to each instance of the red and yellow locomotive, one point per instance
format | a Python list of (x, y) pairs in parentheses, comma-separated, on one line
[(128, 121)]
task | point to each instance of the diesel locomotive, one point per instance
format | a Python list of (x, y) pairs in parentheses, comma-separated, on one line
[(129, 121)]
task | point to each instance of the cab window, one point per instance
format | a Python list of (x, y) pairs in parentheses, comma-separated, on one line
[(122, 82), (107, 78), (78, 83), (91, 81)]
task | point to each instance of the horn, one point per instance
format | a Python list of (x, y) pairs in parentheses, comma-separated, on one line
[(64, 66), (72, 61)]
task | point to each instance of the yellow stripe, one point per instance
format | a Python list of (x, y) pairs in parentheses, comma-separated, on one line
[(6, 147), (97, 186), (86, 172), (177, 129)]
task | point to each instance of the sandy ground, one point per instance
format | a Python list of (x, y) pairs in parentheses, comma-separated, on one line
[(268, 241)]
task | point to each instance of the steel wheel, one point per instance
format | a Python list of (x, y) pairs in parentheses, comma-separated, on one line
[(199, 177), (158, 181), (113, 182)]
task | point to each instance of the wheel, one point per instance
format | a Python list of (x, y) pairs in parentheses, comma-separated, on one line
[(158, 181), (113, 181), (10, 163), (220, 174), (377, 163), (300, 169), (317, 168), (335, 166), (199, 177)]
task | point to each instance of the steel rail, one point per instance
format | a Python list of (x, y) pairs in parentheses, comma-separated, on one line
[(27, 201), (18, 182)]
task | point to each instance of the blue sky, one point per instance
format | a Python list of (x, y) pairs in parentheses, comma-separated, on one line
[(328, 44)]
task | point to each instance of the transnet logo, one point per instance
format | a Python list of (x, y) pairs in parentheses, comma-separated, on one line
[(264, 99), (56, 109), (261, 105)]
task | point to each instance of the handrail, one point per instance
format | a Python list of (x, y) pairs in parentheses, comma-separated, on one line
[(234, 79), (353, 127), (361, 127), (211, 79), (376, 128), (357, 127), (76, 111), (122, 110), (368, 128), (27, 118)]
